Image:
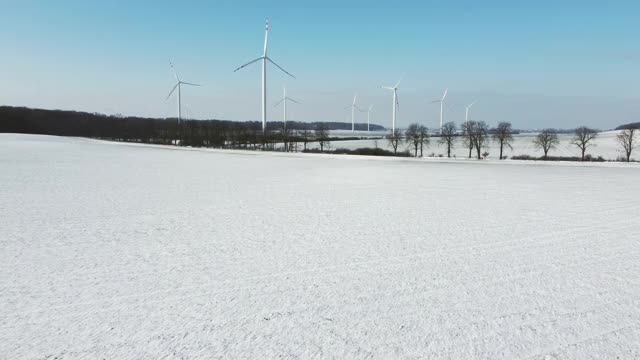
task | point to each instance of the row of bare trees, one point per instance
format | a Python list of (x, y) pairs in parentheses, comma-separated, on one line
[(476, 135), (199, 133), (583, 138), (290, 138)]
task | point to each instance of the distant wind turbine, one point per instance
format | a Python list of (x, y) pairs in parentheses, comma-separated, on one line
[(264, 58), (396, 105), (178, 86), (284, 104), (353, 107), (466, 112), (369, 118), (441, 101)]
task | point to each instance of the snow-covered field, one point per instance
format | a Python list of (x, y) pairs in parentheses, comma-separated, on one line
[(605, 146), (136, 252)]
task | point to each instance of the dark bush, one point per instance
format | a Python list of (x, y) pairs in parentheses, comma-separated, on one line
[(523, 157), (559, 158), (360, 151)]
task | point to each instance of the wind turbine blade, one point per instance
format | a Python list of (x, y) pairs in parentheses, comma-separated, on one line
[(348, 107), (266, 36), (436, 101), (192, 84), (370, 107), (279, 102), (446, 105), (175, 73), (470, 105), (247, 64), (399, 81), (280, 67), (172, 90), (387, 87), (445, 93), (295, 101)]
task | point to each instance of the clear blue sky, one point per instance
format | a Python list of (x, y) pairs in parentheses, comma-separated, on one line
[(535, 63)]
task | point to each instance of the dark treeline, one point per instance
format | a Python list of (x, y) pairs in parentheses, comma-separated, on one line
[(211, 133), (635, 125), (296, 125), (557, 131)]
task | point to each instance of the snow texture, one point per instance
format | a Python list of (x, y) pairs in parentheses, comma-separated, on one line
[(138, 252)]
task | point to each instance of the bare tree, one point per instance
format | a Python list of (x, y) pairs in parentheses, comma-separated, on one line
[(287, 135), (468, 129), (395, 139), (423, 135), (412, 136), (627, 141), (448, 136), (480, 135), (546, 140), (583, 137), (322, 135), (305, 135), (270, 137), (503, 135)]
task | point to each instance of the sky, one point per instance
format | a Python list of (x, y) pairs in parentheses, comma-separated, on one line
[(535, 64)]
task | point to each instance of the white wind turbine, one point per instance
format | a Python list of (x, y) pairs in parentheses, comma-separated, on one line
[(396, 105), (441, 101), (284, 104), (353, 107), (369, 117), (264, 58), (178, 86), (466, 111)]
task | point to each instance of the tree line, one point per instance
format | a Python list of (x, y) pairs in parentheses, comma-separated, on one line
[(197, 133), (477, 134)]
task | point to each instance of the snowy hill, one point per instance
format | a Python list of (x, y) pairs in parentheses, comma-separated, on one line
[(140, 252)]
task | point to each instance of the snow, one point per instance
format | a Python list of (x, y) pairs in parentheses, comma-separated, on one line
[(140, 252)]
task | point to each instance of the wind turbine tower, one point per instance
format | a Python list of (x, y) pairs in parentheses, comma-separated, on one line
[(353, 107), (263, 59), (369, 118), (395, 105)]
